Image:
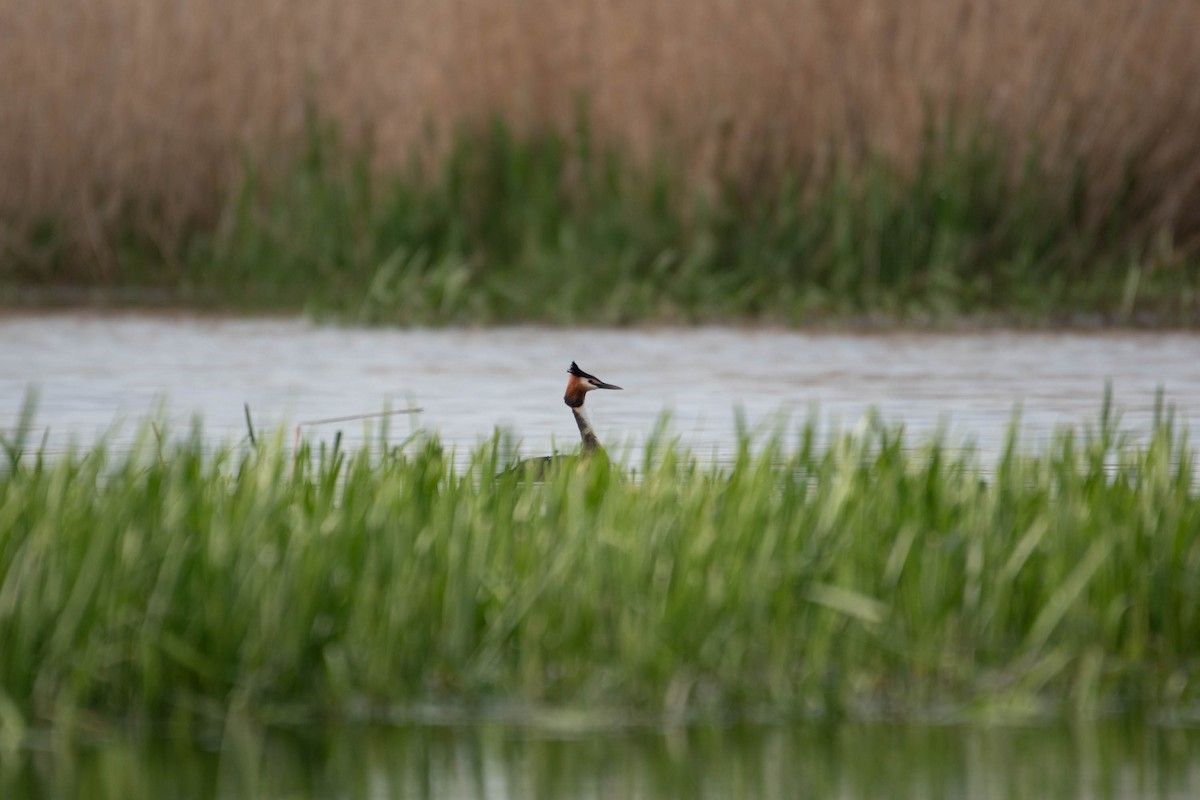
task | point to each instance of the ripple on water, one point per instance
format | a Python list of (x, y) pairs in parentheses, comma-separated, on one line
[(93, 371)]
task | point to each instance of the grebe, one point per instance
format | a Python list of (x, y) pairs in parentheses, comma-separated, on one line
[(578, 385)]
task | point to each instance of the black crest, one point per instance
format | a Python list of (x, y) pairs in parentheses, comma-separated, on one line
[(578, 373)]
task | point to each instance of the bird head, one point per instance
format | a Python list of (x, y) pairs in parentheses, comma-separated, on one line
[(579, 384)]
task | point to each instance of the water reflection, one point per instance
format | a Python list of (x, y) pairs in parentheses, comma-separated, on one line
[(502, 762), (93, 370)]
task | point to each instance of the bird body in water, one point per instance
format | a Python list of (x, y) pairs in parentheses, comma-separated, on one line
[(578, 385)]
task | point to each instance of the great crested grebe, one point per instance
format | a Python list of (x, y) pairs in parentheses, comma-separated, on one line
[(578, 385)]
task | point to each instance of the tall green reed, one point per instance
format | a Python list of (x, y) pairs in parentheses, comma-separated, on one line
[(865, 575), (550, 227)]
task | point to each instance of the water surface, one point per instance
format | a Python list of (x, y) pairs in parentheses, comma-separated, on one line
[(96, 370), (1110, 760)]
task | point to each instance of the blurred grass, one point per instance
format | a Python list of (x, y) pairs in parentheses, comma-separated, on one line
[(552, 228), (790, 161), (139, 112), (868, 576)]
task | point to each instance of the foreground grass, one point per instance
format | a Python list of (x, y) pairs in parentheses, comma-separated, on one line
[(551, 228), (868, 575)]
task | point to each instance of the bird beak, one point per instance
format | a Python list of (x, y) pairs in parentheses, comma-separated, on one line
[(603, 385)]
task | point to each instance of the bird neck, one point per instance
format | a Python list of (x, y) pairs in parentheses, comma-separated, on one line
[(590, 443)]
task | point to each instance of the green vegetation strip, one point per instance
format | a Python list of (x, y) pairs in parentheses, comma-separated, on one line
[(858, 575), (551, 228)]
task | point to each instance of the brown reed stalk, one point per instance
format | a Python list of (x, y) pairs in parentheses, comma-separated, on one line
[(146, 108)]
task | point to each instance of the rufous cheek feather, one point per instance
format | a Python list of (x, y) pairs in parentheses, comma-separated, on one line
[(574, 394)]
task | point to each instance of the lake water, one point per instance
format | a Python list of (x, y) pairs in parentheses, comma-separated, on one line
[(94, 371), (1104, 761)]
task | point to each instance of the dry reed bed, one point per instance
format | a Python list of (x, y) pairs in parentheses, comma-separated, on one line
[(108, 103)]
